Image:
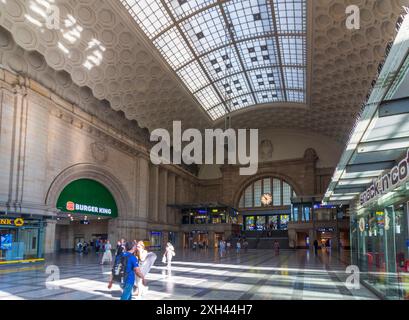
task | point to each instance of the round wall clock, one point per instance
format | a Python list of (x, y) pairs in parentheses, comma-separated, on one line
[(266, 199)]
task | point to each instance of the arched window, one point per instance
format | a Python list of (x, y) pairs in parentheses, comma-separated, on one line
[(281, 191)]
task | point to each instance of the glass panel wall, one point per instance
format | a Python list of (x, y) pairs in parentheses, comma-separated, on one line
[(21, 242), (286, 194), (257, 193), (280, 191), (277, 192), (380, 246), (248, 197), (266, 222)]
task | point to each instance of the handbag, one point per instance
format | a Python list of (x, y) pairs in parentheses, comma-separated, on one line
[(164, 259)]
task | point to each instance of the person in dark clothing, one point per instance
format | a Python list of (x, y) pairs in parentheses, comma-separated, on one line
[(132, 271), (316, 247), (120, 248)]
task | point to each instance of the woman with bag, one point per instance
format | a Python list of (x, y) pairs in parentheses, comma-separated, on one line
[(169, 254), (146, 261), (107, 254)]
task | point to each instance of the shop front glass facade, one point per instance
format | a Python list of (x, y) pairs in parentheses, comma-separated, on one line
[(20, 239), (266, 222), (210, 216), (380, 243)]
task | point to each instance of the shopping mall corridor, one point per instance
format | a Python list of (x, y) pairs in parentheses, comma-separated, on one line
[(204, 275)]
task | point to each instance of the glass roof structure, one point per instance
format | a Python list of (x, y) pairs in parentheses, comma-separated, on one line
[(230, 54)]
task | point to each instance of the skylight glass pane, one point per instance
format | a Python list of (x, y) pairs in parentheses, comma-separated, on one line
[(182, 8), (210, 62), (293, 50), (265, 79), (295, 96), (249, 18), (294, 78), (221, 63), (150, 15), (206, 30), (241, 102), (193, 76), (290, 15), (207, 97), (269, 96), (258, 53), (233, 86), (217, 112), (173, 48)]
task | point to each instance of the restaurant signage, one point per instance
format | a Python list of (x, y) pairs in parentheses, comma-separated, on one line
[(86, 196), (387, 181)]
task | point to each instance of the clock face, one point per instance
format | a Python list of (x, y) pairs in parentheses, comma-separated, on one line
[(266, 199)]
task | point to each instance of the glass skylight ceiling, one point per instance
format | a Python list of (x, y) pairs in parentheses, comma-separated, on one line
[(230, 54)]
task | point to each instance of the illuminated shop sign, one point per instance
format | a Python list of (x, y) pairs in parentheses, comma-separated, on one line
[(71, 206), (330, 229), (86, 196), (324, 206), (386, 182), (17, 222)]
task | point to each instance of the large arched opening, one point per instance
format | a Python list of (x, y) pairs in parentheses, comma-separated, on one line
[(264, 204), (86, 201)]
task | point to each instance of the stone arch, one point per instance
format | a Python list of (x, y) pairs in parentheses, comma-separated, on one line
[(88, 171), (270, 174)]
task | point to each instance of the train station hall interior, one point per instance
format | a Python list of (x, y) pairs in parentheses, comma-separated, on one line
[(263, 143)]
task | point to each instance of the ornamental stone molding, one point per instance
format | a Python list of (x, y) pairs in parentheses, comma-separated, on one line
[(99, 152), (89, 171), (99, 46), (33, 65), (100, 50)]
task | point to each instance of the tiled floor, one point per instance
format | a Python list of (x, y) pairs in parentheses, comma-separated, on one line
[(257, 274)]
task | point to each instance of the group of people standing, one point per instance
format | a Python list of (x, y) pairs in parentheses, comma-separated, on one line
[(100, 246), (226, 246), (131, 265)]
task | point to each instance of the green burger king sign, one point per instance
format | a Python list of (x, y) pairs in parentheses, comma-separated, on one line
[(87, 196)]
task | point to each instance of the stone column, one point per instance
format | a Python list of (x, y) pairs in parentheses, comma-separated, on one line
[(211, 239), (13, 116), (179, 190), (143, 187), (313, 237), (153, 193), (49, 239), (171, 197), (163, 195), (292, 238)]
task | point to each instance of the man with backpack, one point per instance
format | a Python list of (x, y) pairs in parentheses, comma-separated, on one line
[(130, 266)]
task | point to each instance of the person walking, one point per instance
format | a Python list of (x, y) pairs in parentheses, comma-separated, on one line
[(146, 261), (120, 249), (107, 254), (131, 270), (245, 245), (79, 247), (85, 247), (316, 247), (238, 247), (97, 245), (168, 255), (277, 247)]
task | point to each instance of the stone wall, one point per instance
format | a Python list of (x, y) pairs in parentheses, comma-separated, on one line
[(47, 142)]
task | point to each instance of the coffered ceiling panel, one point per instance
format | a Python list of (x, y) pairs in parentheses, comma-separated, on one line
[(266, 63)]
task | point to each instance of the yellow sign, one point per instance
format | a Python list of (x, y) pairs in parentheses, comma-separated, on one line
[(18, 222)]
